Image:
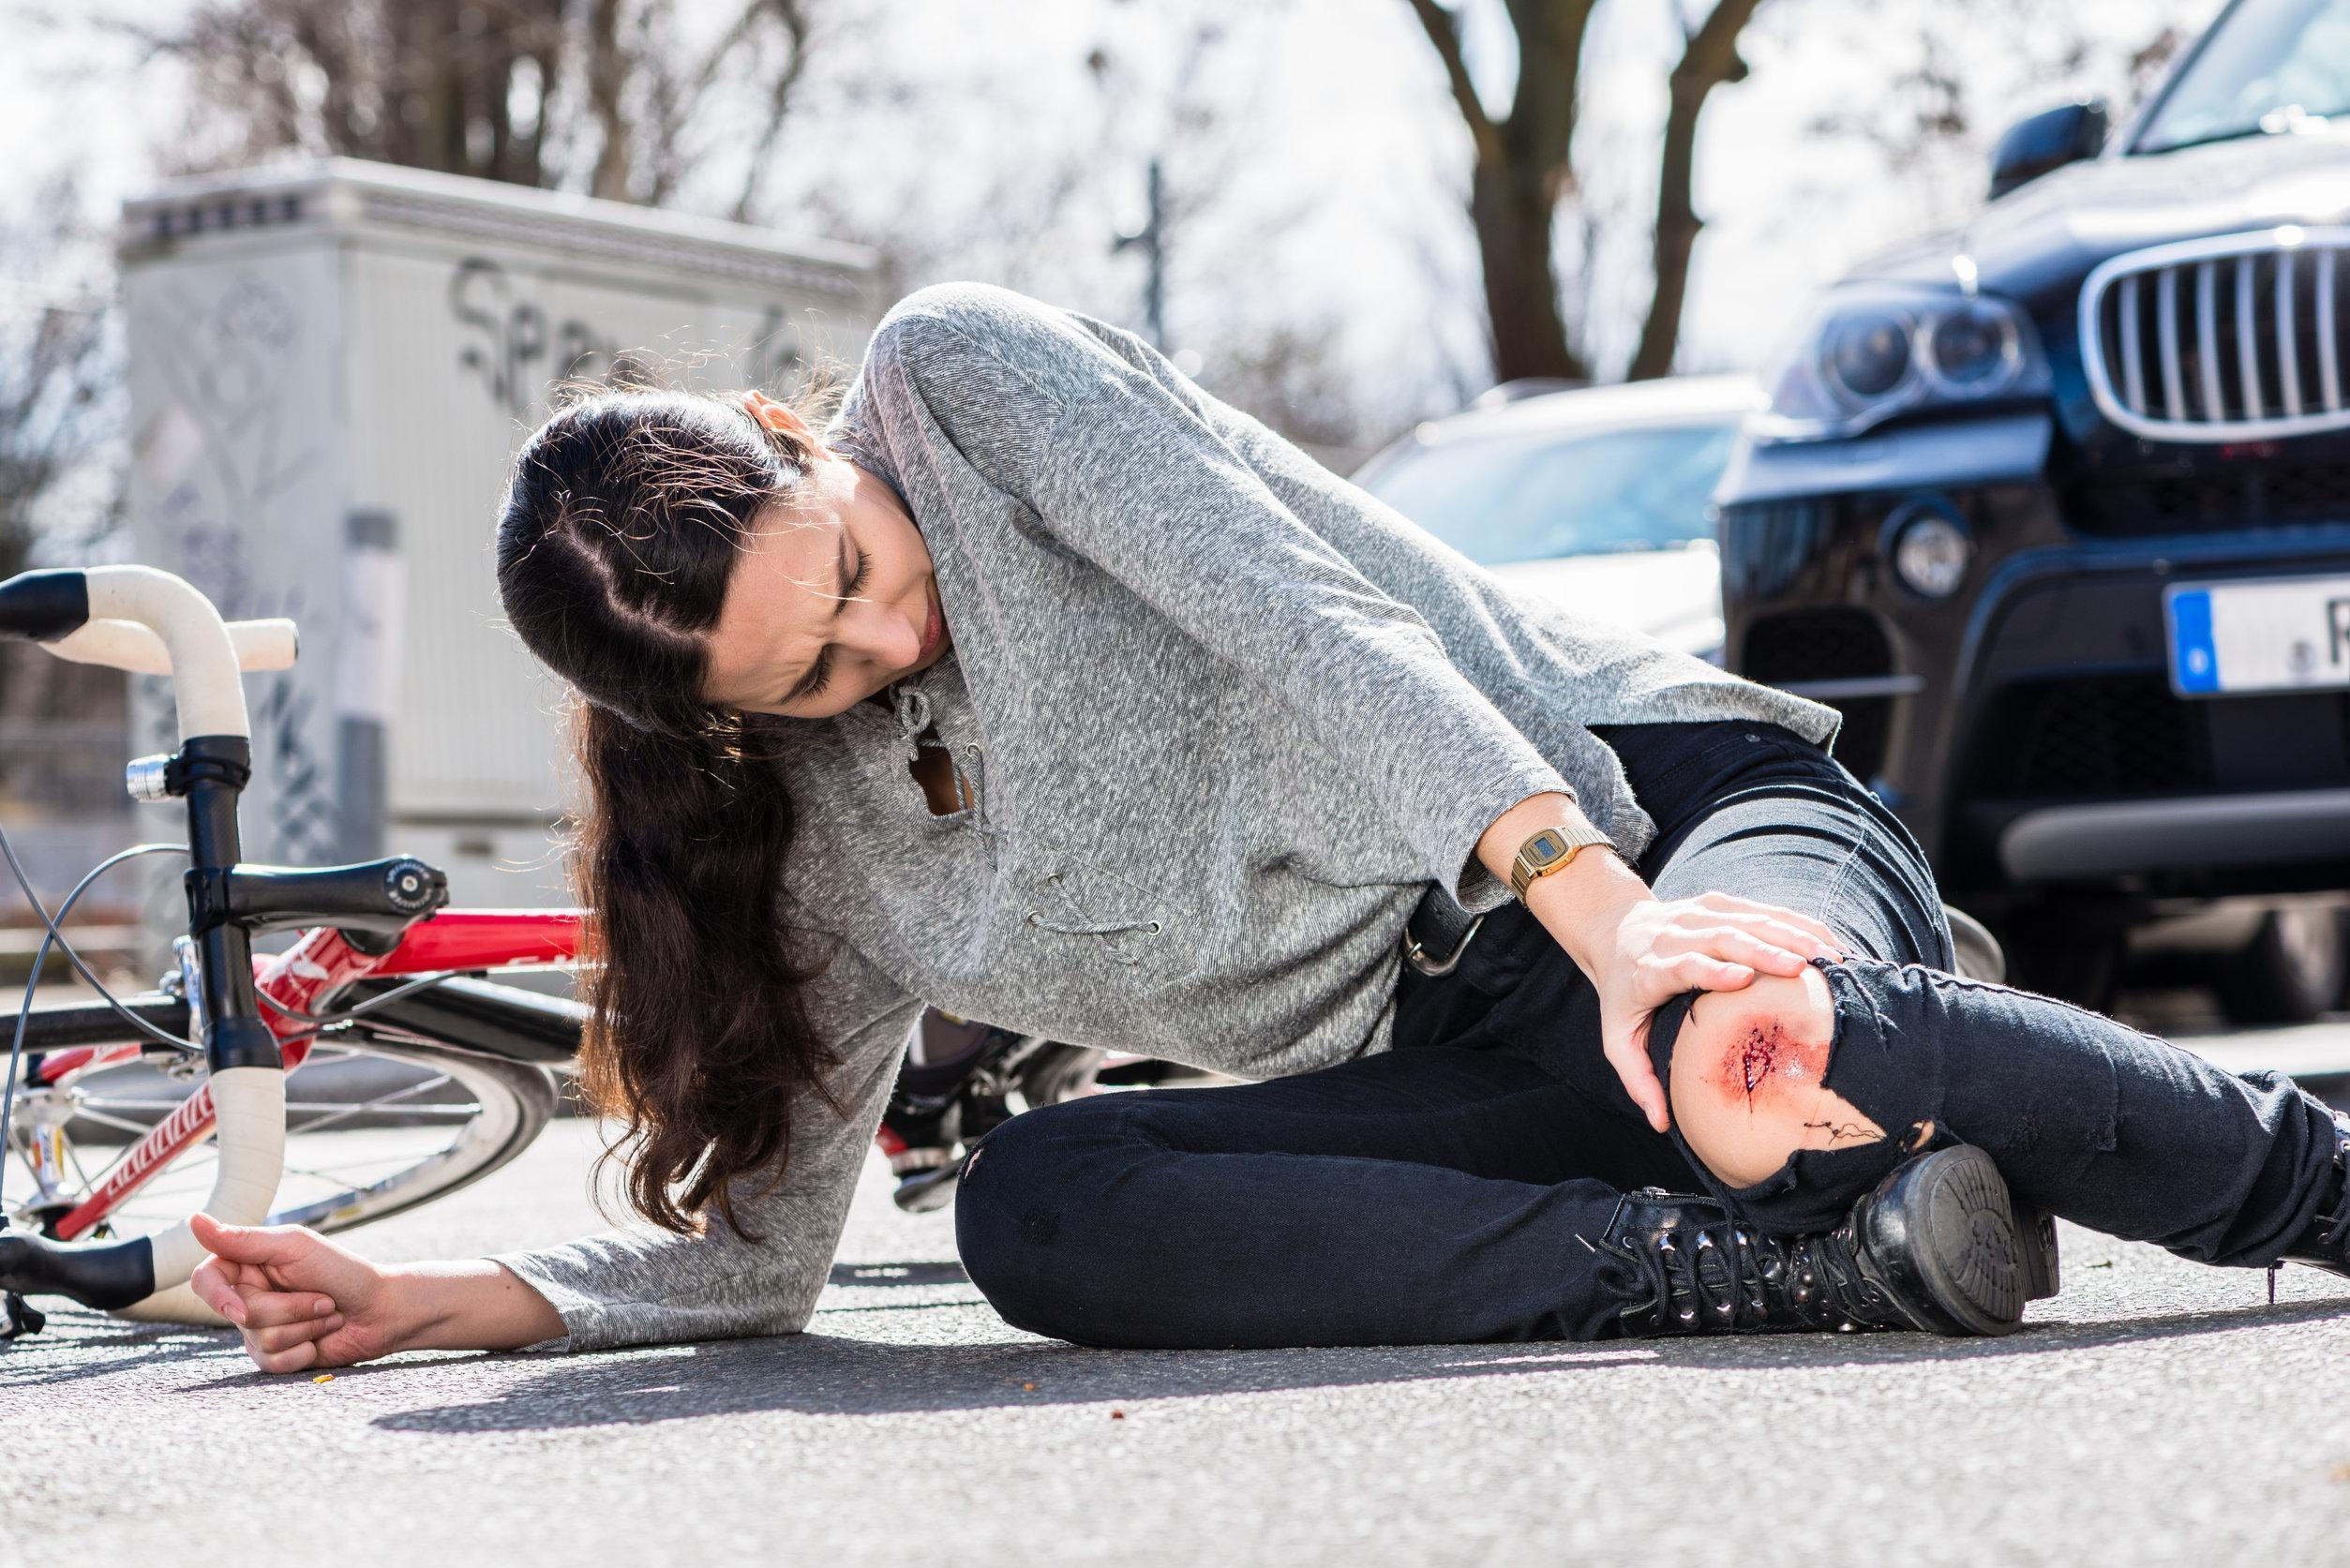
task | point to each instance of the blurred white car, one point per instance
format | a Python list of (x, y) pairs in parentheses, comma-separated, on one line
[(1594, 500)]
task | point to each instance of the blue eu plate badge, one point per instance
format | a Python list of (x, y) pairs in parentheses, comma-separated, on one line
[(2277, 634)]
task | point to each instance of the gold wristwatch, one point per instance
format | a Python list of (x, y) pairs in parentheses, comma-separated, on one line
[(1550, 849)]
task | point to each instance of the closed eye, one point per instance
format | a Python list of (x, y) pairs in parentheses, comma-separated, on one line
[(824, 670)]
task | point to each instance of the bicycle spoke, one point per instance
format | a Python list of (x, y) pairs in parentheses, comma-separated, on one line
[(371, 1104), (343, 1173), (121, 1124), (365, 1157)]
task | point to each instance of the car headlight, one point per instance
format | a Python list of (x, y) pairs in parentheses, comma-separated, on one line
[(1873, 351)]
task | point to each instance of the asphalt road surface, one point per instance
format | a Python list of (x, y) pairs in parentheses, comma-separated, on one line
[(2154, 1413)]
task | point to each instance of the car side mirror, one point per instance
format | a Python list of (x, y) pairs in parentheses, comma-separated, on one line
[(2047, 141)]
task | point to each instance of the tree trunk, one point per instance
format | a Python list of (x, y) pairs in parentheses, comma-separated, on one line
[(1514, 213), (608, 76), (1521, 167), (1710, 60)]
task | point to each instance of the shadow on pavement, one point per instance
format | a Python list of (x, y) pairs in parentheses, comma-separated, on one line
[(78, 1345), (827, 1372), (824, 1372)]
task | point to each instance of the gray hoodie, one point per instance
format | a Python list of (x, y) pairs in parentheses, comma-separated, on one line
[(1226, 716)]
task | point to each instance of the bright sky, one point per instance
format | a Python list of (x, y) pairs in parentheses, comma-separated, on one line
[(1327, 193)]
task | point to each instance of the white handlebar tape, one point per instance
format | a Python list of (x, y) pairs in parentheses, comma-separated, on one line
[(125, 645), (249, 1106), (204, 679)]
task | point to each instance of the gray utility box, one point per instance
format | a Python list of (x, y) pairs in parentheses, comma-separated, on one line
[(332, 364)]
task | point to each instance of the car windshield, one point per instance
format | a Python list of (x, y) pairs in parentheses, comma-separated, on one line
[(1529, 497), (2271, 66)]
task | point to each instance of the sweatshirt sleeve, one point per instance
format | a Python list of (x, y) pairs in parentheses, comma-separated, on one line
[(639, 1284), (1115, 454)]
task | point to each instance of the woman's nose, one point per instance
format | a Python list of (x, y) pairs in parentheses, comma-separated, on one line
[(882, 634)]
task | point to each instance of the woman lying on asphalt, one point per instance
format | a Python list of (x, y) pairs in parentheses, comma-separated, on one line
[(1046, 688)]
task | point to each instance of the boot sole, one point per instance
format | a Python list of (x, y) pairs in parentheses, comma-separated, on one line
[(2037, 1231), (1945, 1235)]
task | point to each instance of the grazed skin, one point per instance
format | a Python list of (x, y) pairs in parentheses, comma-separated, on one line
[(1747, 1078)]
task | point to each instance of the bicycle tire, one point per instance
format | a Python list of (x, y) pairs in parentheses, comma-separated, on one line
[(510, 1104)]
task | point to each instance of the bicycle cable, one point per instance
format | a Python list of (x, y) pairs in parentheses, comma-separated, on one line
[(40, 961), (55, 936), (357, 1010)]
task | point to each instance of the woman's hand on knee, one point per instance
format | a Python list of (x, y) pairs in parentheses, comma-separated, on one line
[(1661, 948)]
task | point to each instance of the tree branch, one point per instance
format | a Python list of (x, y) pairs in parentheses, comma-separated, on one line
[(1439, 24), (1709, 59), (792, 16)]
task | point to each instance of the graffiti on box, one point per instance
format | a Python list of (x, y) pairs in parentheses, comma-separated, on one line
[(513, 350), (518, 353)]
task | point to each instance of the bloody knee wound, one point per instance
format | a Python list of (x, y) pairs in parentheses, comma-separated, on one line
[(1764, 1063)]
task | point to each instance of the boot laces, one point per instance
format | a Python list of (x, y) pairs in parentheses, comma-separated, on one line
[(1723, 1277)]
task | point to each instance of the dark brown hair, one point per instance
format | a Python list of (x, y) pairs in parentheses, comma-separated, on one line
[(622, 525)]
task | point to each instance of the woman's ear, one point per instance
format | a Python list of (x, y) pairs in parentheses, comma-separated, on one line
[(776, 417)]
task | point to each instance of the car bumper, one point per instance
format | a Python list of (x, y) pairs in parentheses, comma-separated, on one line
[(2025, 725)]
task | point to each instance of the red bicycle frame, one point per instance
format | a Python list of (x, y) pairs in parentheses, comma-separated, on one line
[(316, 967)]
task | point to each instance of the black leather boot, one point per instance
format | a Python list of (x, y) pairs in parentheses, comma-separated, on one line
[(1937, 1247), (2326, 1243)]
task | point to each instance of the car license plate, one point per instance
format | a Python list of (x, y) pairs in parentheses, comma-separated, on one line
[(2279, 634)]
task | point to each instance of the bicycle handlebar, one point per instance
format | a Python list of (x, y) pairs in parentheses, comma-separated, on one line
[(138, 619), (165, 613), (125, 645)]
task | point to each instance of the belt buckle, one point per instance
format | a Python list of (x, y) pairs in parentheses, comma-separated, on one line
[(1417, 955)]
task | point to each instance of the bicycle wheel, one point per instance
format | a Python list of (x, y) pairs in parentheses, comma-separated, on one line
[(376, 1125)]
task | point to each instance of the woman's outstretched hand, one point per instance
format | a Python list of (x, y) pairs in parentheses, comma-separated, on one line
[(300, 1301), (1641, 951)]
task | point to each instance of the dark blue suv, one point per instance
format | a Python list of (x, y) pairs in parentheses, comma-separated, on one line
[(2056, 509)]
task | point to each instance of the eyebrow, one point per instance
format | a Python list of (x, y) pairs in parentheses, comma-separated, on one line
[(840, 594)]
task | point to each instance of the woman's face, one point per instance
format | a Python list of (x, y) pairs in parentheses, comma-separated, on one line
[(830, 599)]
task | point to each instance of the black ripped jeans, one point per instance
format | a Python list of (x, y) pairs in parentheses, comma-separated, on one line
[(1442, 1191)]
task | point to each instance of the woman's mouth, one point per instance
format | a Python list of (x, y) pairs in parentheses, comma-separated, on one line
[(932, 624)]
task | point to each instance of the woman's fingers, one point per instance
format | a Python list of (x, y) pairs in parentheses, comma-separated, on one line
[(1627, 1052), (255, 1246), (1733, 946), (1697, 971), (271, 1341), (214, 1283), (1796, 938), (271, 1309), (295, 1358), (1763, 952), (1731, 903)]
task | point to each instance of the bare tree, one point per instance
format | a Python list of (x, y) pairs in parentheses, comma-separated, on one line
[(1709, 57), (60, 487), (601, 95), (1933, 124), (1521, 173), (58, 375)]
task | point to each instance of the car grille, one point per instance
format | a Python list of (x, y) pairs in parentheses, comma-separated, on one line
[(1829, 645), (2233, 338), (2114, 736), (2259, 495), (2101, 736)]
